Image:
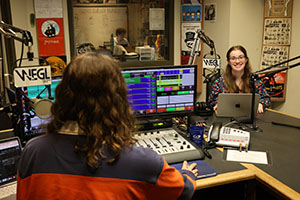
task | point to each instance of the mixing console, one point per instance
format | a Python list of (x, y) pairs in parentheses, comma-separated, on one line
[(169, 144)]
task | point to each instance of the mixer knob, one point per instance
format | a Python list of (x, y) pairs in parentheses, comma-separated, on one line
[(184, 142), (181, 147), (188, 146)]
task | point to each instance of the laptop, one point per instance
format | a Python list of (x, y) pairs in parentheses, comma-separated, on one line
[(236, 105), (10, 152)]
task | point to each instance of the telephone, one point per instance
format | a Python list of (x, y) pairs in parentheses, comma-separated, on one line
[(226, 136)]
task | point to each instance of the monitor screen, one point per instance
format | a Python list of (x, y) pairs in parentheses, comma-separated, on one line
[(34, 91), (165, 90)]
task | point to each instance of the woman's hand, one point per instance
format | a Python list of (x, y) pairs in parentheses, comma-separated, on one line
[(191, 167), (260, 108), (215, 107)]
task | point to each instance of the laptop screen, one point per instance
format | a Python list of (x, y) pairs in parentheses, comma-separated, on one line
[(236, 105), (10, 152)]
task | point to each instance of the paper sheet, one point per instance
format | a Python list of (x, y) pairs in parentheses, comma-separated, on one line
[(250, 156)]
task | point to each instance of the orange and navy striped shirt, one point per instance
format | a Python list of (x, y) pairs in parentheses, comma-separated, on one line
[(50, 169)]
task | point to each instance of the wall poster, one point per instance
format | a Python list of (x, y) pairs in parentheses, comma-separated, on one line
[(277, 31), (188, 32)]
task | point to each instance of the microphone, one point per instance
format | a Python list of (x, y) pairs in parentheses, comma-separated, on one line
[(41, 107)]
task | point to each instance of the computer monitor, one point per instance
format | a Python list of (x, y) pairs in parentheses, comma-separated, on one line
[(161, 91)]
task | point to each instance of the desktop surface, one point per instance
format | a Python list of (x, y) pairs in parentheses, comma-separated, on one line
[(281, 141)]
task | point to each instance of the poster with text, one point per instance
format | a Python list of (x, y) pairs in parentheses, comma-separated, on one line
[(277, 31), (272, 55), (188, 36), (51, 36)]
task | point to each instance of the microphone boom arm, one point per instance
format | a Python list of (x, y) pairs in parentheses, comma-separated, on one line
[(10, 31)]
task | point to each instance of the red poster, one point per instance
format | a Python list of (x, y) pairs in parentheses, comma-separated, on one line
[(51, 36)]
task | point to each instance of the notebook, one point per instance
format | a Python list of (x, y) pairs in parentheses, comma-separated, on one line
[(10, 152), (237, 105)]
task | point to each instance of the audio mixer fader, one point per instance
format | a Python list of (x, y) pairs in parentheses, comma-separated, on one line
[(169, 144)]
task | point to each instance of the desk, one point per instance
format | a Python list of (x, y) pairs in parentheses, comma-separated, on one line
[(282, 176)]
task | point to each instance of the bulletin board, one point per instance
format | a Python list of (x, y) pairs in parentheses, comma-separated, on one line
[(96, 24), (276, 44)]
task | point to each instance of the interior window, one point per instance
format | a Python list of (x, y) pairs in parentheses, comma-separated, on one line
[(133, 31)]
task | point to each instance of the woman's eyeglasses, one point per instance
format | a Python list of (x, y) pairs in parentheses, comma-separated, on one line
[(237, 58)]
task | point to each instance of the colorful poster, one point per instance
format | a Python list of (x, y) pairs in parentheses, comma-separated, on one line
[(51, 36), (275, 84), (191, 13)]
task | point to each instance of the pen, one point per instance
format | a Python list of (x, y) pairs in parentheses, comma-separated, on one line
[(241, 147), (246, 148)]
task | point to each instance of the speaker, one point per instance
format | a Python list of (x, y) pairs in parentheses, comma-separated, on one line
[(202, 109)]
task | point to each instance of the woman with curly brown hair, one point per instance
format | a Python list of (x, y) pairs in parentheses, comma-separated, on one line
[(88, 151)]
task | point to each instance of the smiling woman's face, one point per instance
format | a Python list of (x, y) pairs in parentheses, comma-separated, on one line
[(237, 60)]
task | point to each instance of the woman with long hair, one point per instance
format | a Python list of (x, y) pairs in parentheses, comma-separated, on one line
[(236, 79)]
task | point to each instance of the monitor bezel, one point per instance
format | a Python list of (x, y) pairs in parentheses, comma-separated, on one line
[(173, 113)]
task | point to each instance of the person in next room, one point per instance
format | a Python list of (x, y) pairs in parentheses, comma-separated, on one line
[(88, 151), (236, 79), (120, 37)]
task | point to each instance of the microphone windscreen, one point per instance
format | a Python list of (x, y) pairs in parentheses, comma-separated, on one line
[(42, 107)]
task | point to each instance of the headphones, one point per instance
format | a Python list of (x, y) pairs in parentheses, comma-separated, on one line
[(202, 109)]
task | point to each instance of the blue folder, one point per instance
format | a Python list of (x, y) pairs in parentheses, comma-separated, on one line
[(204, 170)]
